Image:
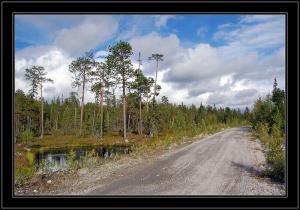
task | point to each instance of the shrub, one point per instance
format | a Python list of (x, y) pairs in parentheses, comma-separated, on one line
[(262, 132), (31, 158), (45, 167), (276, 154), (27, 136), (90, 159), (72, 162), (275, 151), (277, 161)]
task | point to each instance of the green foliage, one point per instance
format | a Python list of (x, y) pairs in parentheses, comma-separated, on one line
[(72, 161), (262, 132), (31, 158), (24, 174), (268, 120), (90, 159), (63, 115), (276, 155), (45, 167), (27, 136)]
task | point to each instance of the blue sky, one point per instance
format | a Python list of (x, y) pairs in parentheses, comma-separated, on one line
[(189, 28), (227, 60)]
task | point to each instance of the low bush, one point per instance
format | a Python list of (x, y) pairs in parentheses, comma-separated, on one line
[(72, 161), (275, 151), (27, 136)]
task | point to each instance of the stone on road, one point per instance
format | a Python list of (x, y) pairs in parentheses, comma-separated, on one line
[(226, 163)]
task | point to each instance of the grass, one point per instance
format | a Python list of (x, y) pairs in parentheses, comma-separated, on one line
[(141, 145), (74, 141), (24, 169)]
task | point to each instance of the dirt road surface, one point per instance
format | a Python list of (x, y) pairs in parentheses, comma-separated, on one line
[(226, 163)]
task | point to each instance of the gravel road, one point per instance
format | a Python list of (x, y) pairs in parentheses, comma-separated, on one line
[(226, 163)]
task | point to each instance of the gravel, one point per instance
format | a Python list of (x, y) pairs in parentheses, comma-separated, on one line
[(226, 163)]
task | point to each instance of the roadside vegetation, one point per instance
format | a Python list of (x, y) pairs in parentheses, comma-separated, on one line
[(134, 118), (268, 121)]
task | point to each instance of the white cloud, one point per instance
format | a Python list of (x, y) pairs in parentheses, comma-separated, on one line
[(255, 32), (152, 43), (234, 74), (49, 23), (202, 31), (226, 80), (129, 33), (205, 70), (56, 64), (162, 20), (205, 73), (93, 31), (259, 18)]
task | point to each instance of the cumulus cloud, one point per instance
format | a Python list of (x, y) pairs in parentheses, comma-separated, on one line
[(154, 43), (235, 99), (226, 75), (91, 32), (55, 62), (233, 74), (83, 34)]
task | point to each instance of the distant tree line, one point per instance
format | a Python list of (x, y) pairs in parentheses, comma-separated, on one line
[(136, 111)]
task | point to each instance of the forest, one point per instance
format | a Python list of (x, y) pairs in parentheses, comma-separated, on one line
[(137, 116), (137, 111)]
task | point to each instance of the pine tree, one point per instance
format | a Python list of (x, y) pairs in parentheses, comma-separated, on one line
[(101, 77), (119, 63), (37, 76), (157, 57), (81, 68)]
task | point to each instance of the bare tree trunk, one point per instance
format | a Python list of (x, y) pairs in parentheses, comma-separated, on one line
[(42, 111), (82, 103), (140, 122), (51, 117), (75, 117), (155, 82), (16, 127), (128, 124), (56, 123), (93, 127), (124, 111), (101, 112), (28, 122), (147, 103), (107, 114)]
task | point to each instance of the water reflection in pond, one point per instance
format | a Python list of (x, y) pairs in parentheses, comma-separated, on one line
[(58, 159)]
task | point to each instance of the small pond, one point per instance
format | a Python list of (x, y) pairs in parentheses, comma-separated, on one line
[(56, 159)]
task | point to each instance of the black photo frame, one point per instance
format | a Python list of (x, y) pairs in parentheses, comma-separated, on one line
[(10, 8)]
